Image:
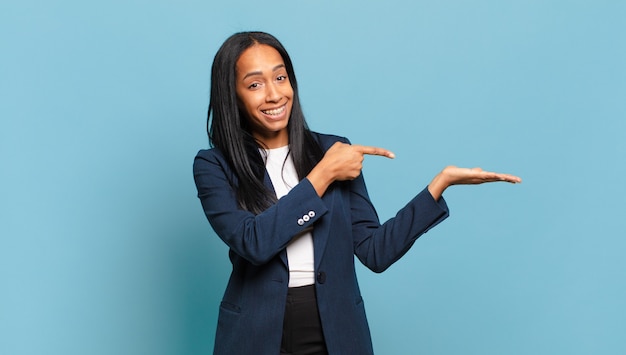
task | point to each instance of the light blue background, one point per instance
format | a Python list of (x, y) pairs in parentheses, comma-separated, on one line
[(104, 248)]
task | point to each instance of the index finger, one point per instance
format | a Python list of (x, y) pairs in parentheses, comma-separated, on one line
[(375, 151)]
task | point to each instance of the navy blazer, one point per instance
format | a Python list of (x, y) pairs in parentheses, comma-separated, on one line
[(344, 224)]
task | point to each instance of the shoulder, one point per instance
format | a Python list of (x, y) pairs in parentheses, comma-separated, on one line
[(209, 157), (327, 140), (210, 166)]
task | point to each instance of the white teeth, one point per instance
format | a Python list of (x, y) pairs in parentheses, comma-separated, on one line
[(274, 112)]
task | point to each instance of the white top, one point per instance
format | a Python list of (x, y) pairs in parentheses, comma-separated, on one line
[(300, 250)]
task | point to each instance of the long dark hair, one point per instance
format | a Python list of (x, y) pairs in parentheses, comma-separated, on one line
[(229, 131)]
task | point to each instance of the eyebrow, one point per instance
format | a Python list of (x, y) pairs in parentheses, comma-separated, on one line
[(261, 73)]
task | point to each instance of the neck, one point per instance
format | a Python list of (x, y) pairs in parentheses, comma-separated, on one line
[(277, 140)]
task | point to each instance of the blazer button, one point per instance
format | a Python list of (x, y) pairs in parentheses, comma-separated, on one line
[(300, 222), (321, 277), (306, 218), (311, 214)]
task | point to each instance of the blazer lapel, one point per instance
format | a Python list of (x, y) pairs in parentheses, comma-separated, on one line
[(322, 228), (268, 183)]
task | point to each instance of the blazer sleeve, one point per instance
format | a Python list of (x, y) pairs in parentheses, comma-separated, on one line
[(256, 238), (379, 246)]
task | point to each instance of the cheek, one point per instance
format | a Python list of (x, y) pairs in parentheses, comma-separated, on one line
[(248, 111), (289, 91), (245, 103)]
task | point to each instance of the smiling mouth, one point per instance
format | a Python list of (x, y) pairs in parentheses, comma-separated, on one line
[(275, 111)]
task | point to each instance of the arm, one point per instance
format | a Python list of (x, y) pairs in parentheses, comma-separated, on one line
[(378, 247), (257, 238)]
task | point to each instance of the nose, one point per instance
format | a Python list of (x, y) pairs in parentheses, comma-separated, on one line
[(273, 93)]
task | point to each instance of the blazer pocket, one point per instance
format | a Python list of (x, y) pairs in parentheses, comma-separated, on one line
[(230, 307)]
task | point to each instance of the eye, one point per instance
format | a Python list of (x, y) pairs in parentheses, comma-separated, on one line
[(281, 78), (253, 86)]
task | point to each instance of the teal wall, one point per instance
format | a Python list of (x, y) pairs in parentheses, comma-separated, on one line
[(103, 245)]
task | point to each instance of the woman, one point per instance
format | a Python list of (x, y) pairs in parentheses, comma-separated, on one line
[(293, 208)]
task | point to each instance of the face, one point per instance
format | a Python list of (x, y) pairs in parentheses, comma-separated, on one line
[(265, 94)]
